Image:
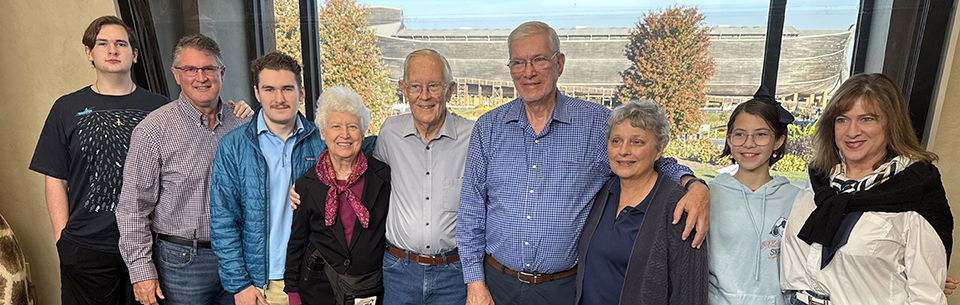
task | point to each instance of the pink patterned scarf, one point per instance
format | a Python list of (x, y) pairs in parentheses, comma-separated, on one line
[(328, 176)]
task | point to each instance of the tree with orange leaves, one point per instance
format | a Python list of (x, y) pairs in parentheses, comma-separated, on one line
[(350, 58), (670, 65)]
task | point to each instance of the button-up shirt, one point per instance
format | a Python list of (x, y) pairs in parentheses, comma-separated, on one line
[(166, 180), (525, 196), (277, 153), (890, 258), (426, 177)]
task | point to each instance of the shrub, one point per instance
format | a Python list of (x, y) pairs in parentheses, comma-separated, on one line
[(790, 163), (798, 142), (699, 150)]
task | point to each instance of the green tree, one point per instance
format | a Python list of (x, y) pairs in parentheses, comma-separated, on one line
[(287, 27), (350, 58), (670, 65)]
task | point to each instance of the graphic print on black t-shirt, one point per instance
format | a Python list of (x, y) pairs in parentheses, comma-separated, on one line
[(84, 143), (104, 138)]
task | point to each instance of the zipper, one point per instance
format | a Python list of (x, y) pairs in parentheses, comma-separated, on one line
[(266, 221)]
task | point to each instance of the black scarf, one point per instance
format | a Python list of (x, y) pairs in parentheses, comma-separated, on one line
[(917, 188)]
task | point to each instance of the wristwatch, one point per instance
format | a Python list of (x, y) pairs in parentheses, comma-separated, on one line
[(695, 179)]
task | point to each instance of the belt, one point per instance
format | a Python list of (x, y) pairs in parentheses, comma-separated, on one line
[(530, 278), (426, 260), (812, 298), (184, 241)]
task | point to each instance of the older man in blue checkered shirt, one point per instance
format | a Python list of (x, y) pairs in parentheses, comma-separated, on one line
[(532, 167)]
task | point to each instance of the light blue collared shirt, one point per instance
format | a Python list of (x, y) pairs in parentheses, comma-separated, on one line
[(277, 154)]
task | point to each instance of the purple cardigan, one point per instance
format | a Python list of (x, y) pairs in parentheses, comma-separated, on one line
[(662, 269)]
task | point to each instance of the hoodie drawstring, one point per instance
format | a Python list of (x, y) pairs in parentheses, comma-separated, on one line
[(756, 229)]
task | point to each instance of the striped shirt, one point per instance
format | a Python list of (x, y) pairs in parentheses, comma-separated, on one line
[(526, 196), (166, 181)]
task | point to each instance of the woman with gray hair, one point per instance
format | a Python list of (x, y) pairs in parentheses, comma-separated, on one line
[(629, 253), (336, 245)]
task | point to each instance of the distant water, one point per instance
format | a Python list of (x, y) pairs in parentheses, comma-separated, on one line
[(440, 14)]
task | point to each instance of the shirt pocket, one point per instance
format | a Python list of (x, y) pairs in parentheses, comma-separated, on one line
[(451, 194), (874, 238)]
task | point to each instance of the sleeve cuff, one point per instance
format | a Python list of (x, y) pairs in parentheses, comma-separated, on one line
[(143, 273), (472, 273)]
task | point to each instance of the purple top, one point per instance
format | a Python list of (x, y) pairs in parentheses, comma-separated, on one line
[(348, 218)]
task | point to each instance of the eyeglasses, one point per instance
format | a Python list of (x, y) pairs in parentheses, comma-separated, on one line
[(192, 71), (540, 62), (415, 89), (761, 138)]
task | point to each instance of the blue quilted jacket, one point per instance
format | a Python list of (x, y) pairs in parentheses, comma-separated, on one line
[(238, 200)]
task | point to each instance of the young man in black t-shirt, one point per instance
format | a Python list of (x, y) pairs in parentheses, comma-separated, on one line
[(81, 151)]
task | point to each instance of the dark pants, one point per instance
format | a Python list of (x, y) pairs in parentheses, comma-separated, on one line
[(507, 290), (92, 277)]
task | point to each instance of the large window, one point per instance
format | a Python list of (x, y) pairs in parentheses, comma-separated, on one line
[(595, 36), (820, 43)]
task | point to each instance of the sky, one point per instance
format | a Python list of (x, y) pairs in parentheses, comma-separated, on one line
[(444, 14)]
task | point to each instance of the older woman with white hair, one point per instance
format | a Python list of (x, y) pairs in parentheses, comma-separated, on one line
[(336, 245), (629, 253)]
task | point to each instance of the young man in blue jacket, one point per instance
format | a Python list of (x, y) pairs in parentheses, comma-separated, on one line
[(255, 165)]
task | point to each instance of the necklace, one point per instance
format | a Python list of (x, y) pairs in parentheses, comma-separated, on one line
[(96, 88)]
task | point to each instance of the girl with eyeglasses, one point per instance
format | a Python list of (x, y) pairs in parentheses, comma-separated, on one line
[(750, 208)]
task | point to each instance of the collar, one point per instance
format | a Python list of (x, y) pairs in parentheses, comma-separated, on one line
[(641, 207), (840, 181), (560, 112), (262, 124), (446, 130), (195, 115)]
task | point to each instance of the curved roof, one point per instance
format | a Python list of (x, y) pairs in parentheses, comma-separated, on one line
[(811, 62)]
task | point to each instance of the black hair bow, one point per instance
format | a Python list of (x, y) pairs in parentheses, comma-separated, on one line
[(764, 95)]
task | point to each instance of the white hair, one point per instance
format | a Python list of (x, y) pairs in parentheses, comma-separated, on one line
[(447, 72), (342, 99), (531, 28)]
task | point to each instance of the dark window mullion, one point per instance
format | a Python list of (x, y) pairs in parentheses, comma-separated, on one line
[(149, 73), (862, 36), (772, 45), (260, 32), (925, 61), (310, 52)]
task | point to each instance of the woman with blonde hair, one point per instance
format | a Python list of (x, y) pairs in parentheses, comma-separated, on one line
[(877, 228)]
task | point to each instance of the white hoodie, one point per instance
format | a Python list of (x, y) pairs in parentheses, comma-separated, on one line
[(744, 238)]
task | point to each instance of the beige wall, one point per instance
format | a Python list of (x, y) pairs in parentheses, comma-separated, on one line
[(41, 59), (945, 142)]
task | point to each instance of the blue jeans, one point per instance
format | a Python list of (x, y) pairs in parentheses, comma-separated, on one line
[(406, 282), (188, 275)]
